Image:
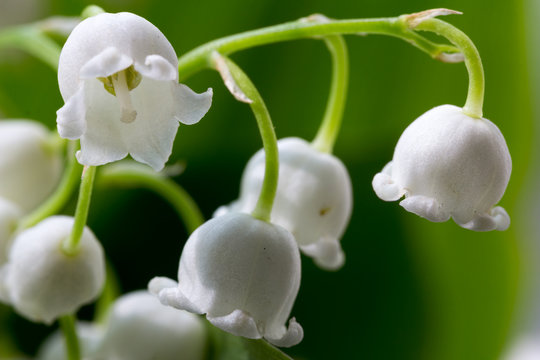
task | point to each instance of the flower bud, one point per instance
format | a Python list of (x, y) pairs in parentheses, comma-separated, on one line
[(313, 199), (448, 164), (118, 76), (241, 272), (42, 282), (140, 327), (29, 167)]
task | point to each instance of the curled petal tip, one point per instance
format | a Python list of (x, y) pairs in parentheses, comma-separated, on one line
[(293, 335), (413, 20), (238, 323)]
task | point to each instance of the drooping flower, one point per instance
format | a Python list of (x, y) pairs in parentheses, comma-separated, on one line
[(90, 336), (30, 167), (41, 281), (313, 199), (448, 164), (241, 272), (140, 327), (118, 77)]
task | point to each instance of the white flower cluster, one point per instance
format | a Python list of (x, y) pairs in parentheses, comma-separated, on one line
[(118, 77)]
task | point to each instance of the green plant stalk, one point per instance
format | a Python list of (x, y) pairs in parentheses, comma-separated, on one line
[(67, 323), (473, 62), (329, 129), (111, 290), (200, 57), (263, 208), (182, 202), (70, 245), (60, 196), (31, 39)]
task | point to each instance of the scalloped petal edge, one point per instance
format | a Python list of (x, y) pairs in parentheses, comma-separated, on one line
[(293, 335), (168, 293), (425, 207), (496, 219)]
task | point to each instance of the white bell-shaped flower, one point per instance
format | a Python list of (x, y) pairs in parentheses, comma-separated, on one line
[(42, 282), (141, 328), (241, 272), (118, 76), (313, 199), (448, 164), (30, 167), (90, 337)]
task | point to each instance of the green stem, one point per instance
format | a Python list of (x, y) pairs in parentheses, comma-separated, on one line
[(475, 97), (31, 39), (61, 195), (70, 245), (263, 208), (67, 323), (200, 57), (329, 129), (182, 202)]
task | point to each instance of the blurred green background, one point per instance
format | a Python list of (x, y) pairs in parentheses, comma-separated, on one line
[(410, 289)]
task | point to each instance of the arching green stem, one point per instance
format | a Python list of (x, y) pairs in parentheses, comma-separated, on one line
[(31, 39), (61, 195), (68, 325), (133, 175), (329, 129), (475, 97), (200, 57), (263, 208), (70, 245)]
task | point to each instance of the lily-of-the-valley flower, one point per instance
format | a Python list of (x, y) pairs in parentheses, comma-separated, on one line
[(243, 273), (313, 199), (41, 281), (30, 163), (90, 336), (448, 164), (118, 77), (140, 327)]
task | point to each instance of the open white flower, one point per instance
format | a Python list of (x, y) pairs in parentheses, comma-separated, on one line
[(313, 199), (42, 282), (448, 164), (118, 77), (241, 272), (30, 167), (140, 327)]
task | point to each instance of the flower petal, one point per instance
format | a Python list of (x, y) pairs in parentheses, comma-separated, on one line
[(385, 187), (293, 335), (169, 294), (327, 253), (496, 219), (106, 63), (425, 207), (160, 105), (190, 106), (158, 68), (237, 323), (103, 140), (71, 118)]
